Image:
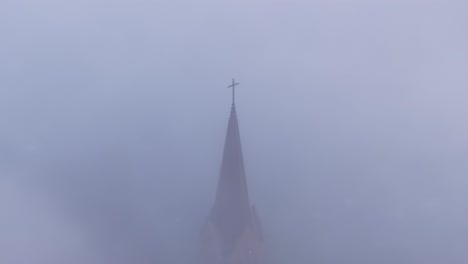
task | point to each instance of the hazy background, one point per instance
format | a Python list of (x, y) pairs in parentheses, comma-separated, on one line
[(353, 118)]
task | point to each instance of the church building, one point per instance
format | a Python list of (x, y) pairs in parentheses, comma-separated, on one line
[(232, 233)]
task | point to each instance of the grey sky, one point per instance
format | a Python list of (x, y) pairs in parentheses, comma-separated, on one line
[(352, 117)]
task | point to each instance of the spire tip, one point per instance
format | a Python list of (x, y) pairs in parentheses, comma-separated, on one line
[(233, 86)]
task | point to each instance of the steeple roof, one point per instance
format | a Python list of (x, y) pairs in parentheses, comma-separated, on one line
[(231, 211)]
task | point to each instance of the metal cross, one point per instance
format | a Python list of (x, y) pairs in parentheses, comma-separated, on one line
[(233, 86)]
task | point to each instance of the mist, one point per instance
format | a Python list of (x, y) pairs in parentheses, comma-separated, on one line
[(352, 117)]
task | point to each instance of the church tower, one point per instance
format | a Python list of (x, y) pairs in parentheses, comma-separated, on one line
[(232, 233)]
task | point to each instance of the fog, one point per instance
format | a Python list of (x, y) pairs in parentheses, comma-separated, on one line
[(352, 117)]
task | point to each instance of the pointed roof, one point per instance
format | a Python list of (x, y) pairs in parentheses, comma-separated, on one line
[(231, 211)]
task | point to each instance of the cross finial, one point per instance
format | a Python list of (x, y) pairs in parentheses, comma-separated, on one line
[(233, 86)]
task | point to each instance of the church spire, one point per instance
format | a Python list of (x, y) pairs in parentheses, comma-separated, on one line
[(232, 207), (232, 234)]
